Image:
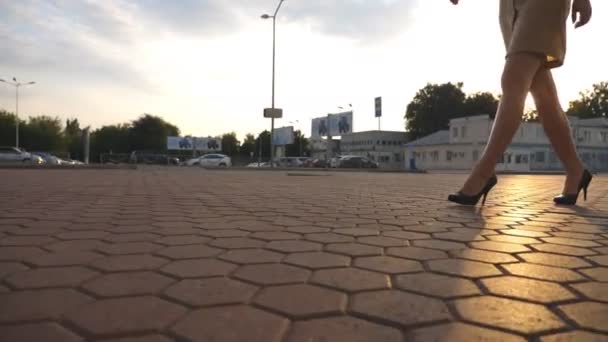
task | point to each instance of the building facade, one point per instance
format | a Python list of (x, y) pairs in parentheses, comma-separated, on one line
[(461, 146), (383, 147)]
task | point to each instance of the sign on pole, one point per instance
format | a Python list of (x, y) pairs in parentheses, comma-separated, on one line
[(378, 107), (193, 143), (273, 113), (283, 136), (340, 124)]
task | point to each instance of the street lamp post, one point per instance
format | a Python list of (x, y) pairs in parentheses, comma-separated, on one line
[(274, 29), (16, 85)]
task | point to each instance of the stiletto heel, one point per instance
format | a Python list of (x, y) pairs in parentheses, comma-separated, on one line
[(463, 199), (570, 199)]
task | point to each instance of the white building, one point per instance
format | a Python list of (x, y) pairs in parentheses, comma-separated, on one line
[(383, 147), (460, 147)]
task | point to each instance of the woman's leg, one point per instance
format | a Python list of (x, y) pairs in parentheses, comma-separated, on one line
[(557, 128), (517, 78)]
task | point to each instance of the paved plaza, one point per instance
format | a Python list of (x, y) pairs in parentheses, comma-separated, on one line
[(175, 254)]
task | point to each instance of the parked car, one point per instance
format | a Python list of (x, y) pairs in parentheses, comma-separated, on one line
[(335, 162), (15, 155), (210, 160), (357, 162), (320, 163), (289, 162), (258, 165), (49, 159)]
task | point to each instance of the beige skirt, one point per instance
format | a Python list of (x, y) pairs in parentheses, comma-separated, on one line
[(536, 26)]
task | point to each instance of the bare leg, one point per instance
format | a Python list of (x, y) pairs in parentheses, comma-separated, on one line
[(556, 126), (517, 77)]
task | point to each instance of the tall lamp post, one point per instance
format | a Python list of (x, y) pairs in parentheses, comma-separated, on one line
[(16, 85), (273, 112)]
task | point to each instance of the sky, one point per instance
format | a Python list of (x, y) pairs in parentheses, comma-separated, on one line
[(206, 65)]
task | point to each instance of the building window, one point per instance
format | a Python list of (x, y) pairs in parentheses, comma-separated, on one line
[(435, 155), (604, 137), (448, 155), (540, 157), (464, 131), (587, 135), (461, 155), (455, 132), (475, 155), (383, 142), (552, 157)]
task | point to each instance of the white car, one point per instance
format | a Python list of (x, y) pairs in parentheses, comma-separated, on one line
[(48, 158), (210, 160), (15, 155)]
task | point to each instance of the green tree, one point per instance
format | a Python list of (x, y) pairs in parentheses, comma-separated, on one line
[(149, 133), (114, 139), (299, 146), (433, 107), (248, 145), (73, 139), (480, 104), (264, 139), (230, 144), (7, 128), (42, 133), (592, 103)]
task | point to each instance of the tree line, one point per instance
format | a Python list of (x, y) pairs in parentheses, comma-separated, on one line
[(436, 104), (148, 133)]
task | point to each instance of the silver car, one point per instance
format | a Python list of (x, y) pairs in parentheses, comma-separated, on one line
[(14, 155)]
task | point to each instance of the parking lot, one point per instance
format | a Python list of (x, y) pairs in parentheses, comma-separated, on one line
[(186, 254)]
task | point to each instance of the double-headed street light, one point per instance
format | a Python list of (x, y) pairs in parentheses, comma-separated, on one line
[(16, 85), (273, 112)]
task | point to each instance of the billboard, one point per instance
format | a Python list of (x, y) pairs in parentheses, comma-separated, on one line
[(194, 143), (341, 123), (283, 136), (320, 128), (378, 105)]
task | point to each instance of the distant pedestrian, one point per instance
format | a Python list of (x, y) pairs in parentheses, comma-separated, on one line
[(534, 33)]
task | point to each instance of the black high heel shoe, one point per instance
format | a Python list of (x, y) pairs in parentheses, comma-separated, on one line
[(570, 199), (463, 199)]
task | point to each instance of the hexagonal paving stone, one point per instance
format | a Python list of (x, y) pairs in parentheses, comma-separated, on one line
[(178, 240), (317, 260), (439, 244), (50, 277), (8, 268), (596, 273), (251, 256), (301, 300), (131, 237), (571, 242), (342, 329), (224, 233), (383, 241), (128, 284), (18, 253), (357, 232), (437, 285), (76, 245), (500, 246), (125, 315), (26, 241), (196, 268), (82, 235), (387, 264), (353, 249), (464, 268), (47, 332), (543, 272), (212, 291), (593, 291), (308, 229), (575, 336), (483, 256), (146, 338), (459, 236), (561, 249), (525, 233), (588, 314), (351, 279), (416, 253), (601, 260), (554, 260), (406, 235), (328, 238), (272, 274), (189, 252), (275, 236), (237, 243), (292, 246), (399, 307), (129, 263), (231, 324), (39, 304), (67, 258), (460, 332), (528, 289), (129, 248), (514, 239), (508, 314)]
